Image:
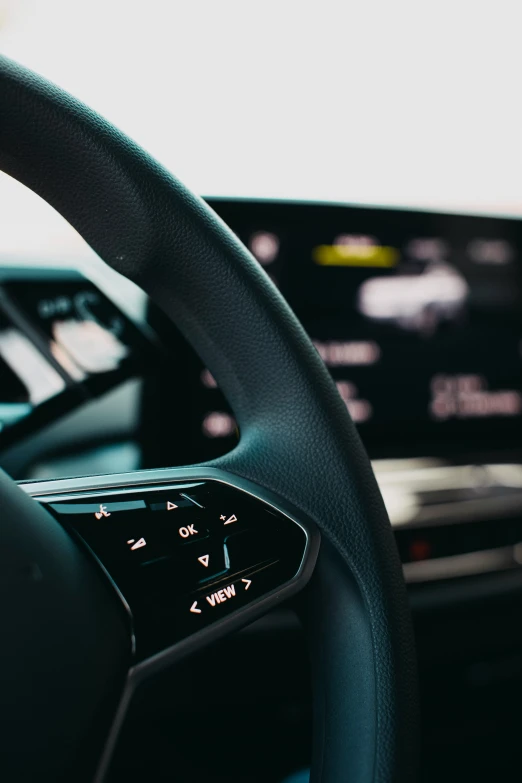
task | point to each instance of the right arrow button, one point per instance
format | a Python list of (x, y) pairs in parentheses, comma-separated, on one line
[(247, 583)]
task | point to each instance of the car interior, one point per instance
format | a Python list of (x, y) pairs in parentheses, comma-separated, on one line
[(261, 491)]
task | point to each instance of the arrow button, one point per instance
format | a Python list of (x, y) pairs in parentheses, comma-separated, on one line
[(247, 582), (200, 563), (137, 544), (194, 608)]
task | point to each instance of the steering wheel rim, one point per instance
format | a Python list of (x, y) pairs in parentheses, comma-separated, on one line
[(297, 440)]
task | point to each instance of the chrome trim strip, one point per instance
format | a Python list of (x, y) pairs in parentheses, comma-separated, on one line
[(138, 478), (470, 564), (463, 512), (481, 491), (100, 493)]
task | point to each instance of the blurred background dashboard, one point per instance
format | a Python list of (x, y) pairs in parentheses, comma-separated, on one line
[(415, 311), (417, 316)]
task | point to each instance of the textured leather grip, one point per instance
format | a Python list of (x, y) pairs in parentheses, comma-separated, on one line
[(296, 436)]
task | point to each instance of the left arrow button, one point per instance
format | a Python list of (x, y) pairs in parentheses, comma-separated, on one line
[(194, 608)]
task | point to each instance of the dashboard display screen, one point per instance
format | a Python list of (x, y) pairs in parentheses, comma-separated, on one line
[(418, 316), (85, 332), (61, 342)]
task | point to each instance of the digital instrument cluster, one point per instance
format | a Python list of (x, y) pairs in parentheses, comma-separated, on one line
[(417, 316), (61, 342)]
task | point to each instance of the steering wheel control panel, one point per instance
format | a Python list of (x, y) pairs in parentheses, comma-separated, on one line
[(186, 556)]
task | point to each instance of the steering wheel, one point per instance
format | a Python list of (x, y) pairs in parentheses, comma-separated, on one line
[(73, 649)]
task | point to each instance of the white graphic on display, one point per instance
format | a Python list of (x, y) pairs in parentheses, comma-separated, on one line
[(359, 410), (93, 348), (434, 249), (468, 397), (264, 245), (496, 252), (415, 302), (348, 353), (218, 425)]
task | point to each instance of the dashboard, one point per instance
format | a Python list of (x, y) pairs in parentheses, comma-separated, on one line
[(417, 316)]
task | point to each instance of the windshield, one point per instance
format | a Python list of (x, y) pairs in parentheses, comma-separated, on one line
[(381, 103)]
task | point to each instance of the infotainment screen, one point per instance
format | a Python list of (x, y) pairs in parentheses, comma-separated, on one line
[(417, 315)]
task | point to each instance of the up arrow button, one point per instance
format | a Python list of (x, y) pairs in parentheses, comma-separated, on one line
[(204, 560)]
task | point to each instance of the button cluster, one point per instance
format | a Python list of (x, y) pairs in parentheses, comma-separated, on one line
[(185, 556)]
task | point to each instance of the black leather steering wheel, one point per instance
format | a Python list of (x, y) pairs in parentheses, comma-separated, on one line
[(66, 657)]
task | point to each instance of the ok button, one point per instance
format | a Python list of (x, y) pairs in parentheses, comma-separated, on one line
[(188, 531), (191, 532)]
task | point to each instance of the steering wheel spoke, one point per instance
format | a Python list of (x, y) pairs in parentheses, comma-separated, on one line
[(194, 553), (191, 554)]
